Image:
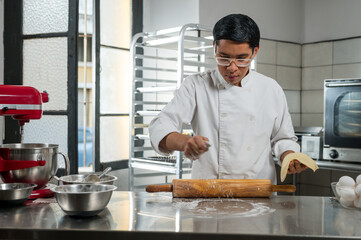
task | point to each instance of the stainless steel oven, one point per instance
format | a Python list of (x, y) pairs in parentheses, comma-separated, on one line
[(342, 120)]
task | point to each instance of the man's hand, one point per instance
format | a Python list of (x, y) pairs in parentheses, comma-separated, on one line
[(294, 166), (195, 147)]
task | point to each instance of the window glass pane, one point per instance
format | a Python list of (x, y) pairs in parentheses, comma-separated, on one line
[(115, 23), (2, 42), (43, 16), (51, 130), (89, 13), (89, 106), (348, 115), (114, 138), (114, 81), (1, 61), (81, 49), (45, 67)]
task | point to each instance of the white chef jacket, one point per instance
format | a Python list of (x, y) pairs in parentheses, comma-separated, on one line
[(243, 124)]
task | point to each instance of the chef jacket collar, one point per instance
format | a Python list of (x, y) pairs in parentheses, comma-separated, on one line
[(224, 84)]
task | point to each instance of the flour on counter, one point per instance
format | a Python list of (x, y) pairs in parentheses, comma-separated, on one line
[(227, 207)]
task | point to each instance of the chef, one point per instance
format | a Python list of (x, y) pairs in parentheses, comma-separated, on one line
[(239, 117)]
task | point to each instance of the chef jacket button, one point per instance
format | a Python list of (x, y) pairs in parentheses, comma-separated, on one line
[(249, 148), (223, 115), (251, 118)]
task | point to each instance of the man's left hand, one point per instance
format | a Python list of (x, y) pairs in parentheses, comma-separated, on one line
[(296, 167)]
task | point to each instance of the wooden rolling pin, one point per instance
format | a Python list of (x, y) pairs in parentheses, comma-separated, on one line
[(221, 188)]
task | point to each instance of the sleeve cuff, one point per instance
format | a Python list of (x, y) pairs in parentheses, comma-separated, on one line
[(157, 134), (283, 146)]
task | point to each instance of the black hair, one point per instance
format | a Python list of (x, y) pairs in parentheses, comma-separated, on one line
[(237, 27)]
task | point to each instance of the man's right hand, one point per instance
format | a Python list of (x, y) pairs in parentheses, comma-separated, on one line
[(195, 147)]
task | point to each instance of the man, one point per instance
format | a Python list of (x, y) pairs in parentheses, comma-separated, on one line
[(238, 116)]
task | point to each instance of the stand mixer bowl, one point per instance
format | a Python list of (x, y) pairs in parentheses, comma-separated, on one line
[(39, 175)]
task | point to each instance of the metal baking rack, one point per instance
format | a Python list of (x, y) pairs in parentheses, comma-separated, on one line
[(160, 61)]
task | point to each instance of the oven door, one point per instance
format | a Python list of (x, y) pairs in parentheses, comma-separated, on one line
[(342, 116)]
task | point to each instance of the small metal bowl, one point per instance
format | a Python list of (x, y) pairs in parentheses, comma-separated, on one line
[(83, 200), (15, 193), (78, 178)]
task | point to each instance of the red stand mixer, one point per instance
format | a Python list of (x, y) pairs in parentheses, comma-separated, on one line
[(22, 103), (29, 163)]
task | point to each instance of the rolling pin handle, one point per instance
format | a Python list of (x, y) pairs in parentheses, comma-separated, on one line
[(159, 188), (283, 188)]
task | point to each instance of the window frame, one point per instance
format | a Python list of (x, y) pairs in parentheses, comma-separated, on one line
[(13, 71)]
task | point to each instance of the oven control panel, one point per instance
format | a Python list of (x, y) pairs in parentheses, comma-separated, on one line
[(342, 154)]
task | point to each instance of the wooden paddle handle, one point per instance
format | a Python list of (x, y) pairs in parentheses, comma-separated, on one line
[(159, 188), (283, 188)]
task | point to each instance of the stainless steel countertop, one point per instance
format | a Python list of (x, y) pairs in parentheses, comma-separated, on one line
[(159, 216)]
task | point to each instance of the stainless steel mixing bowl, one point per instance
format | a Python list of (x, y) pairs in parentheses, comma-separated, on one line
[(83, 200), (78, 178), (15, 193), (39, 175)]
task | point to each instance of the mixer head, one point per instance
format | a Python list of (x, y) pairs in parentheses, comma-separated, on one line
[(22, 103)]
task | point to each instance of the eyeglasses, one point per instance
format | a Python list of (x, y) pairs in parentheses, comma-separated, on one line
[(240, 62)]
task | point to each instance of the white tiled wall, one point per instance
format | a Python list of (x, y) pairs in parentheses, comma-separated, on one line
[(347, 51), (326, 60), (312, 119), (293, 100), (288, 54), (269, 70), (296, 119), (289, 77), (302, 69), (312, 101), (318, 54), (312, 77), (316, 67), (267, 52), (282, 62), (347, 70)]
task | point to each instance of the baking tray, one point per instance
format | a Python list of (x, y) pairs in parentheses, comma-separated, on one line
[(167, 160)]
